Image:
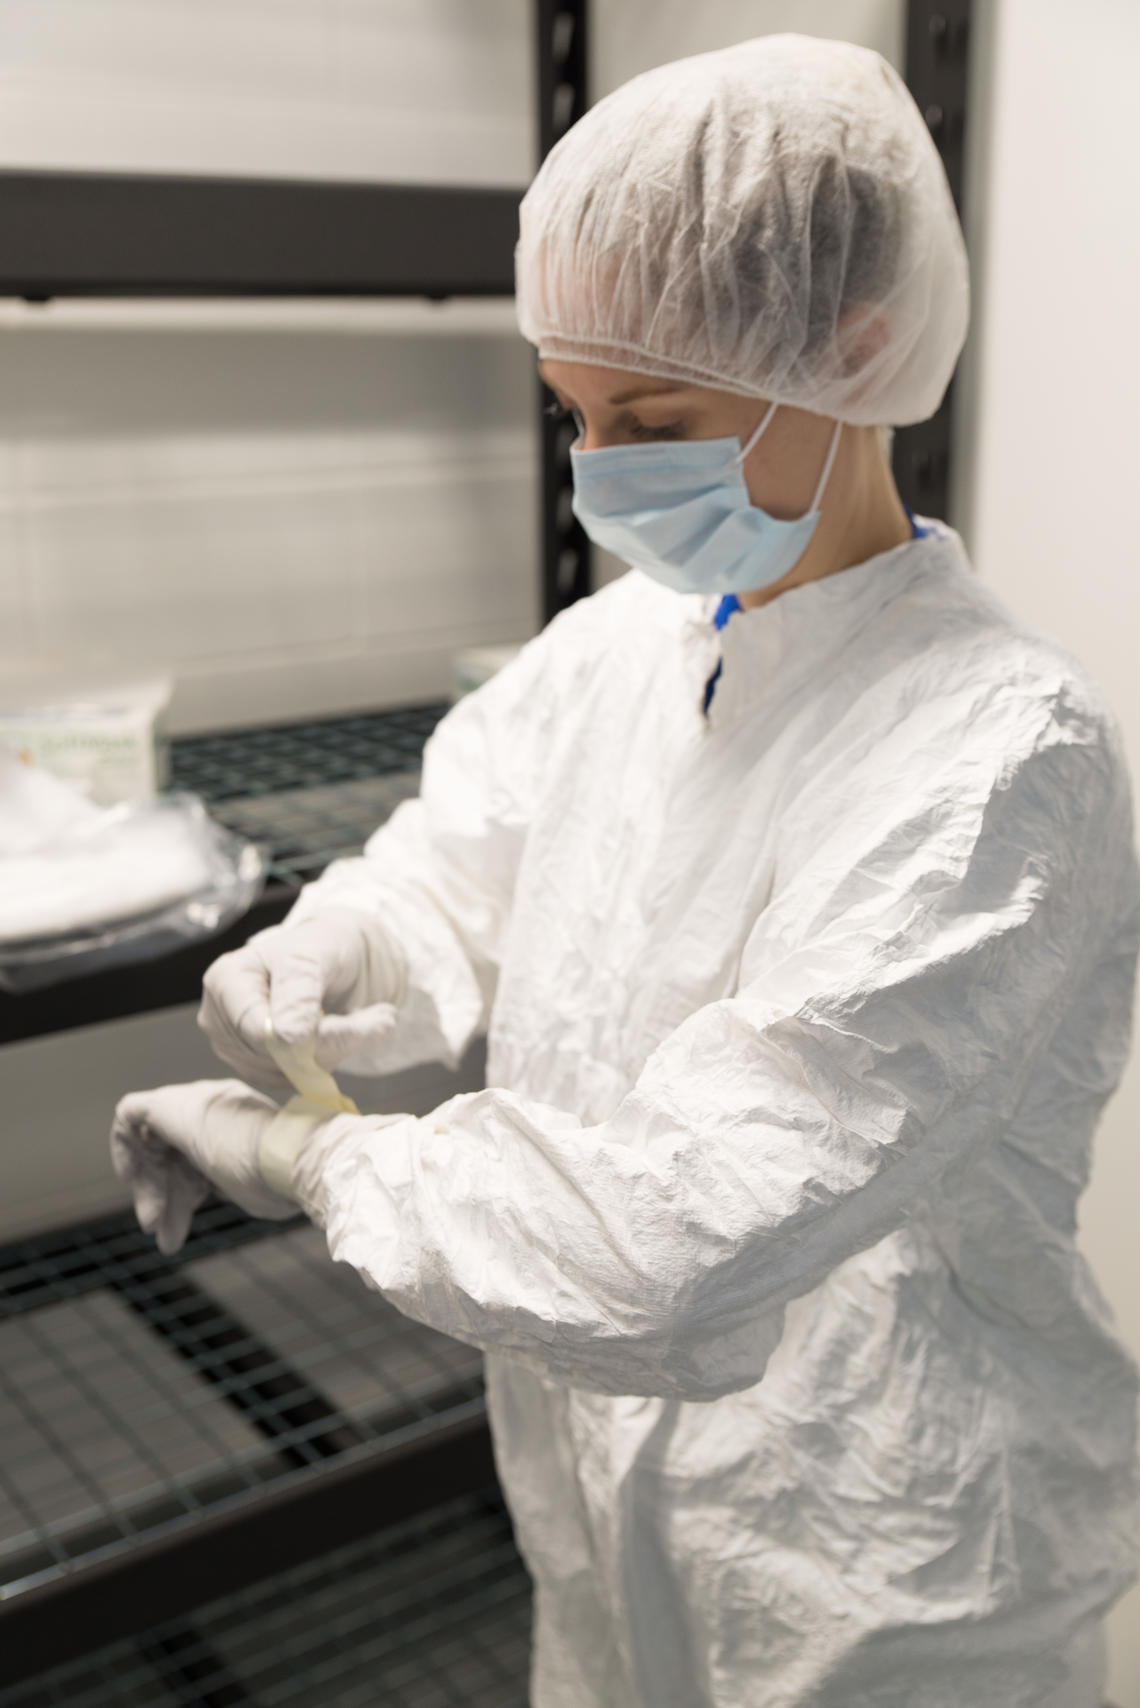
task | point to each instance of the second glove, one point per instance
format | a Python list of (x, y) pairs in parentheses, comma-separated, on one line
[(333, 980)]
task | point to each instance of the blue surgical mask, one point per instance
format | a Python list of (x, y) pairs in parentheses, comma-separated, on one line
[(681, 512)]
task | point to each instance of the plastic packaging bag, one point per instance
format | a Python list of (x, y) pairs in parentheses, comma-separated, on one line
[(83, 888)]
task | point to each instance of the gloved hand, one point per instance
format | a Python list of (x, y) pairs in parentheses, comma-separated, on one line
[(335, 978), (174, 1146)]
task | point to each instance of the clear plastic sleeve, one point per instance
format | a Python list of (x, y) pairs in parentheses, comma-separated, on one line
[(129, 884)]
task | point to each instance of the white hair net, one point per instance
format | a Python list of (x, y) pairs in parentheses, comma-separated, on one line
[(772, 219)]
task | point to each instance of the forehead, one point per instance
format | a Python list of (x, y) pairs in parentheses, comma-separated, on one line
[(613, 386)]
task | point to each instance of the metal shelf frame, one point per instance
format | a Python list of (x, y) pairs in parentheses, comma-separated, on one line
[(432, 1612), (937, 75), (563, 96), (72, 234), (408, 1430)]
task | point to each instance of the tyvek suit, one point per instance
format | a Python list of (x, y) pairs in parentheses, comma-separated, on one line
[(800, 1018)]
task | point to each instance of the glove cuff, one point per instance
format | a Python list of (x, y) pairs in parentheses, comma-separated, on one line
[(282, 1141)]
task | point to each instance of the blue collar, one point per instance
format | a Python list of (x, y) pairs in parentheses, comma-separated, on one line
[(730, 604)]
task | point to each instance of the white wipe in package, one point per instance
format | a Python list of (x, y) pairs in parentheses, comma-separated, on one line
[(83, 886), (109, 743)]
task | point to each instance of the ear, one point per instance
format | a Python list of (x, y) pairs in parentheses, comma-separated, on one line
[(862, 332)]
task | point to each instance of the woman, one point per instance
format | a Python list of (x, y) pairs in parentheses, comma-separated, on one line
[(792, 879)]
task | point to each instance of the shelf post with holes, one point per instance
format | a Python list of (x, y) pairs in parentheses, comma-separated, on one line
[(937, 68), (562, 99)]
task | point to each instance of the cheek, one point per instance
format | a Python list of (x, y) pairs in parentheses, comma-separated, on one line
[(775, 487), (782, 476)]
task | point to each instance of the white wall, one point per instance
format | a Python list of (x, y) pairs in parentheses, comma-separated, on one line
[(630, 36), (407, 90), (294, 512), (298, 508), (1049, 437)]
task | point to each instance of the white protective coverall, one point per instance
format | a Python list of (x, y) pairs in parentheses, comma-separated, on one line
[(800, 1018)]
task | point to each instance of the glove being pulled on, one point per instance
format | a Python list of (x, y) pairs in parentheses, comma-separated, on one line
[(177, 1144), (333, 981)]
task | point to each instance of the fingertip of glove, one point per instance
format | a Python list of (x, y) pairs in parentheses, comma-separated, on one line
[(168, 1242)]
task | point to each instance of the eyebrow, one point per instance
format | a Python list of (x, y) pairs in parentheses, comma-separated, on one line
[(631, 396), (651, 391)]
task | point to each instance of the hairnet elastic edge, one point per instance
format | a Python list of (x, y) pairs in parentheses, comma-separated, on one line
[(553, 345)]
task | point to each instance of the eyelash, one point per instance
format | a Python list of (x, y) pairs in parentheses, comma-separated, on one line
[(667, 430), (558, 413)]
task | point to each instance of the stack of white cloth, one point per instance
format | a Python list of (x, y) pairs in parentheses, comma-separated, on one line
[(76, 879)]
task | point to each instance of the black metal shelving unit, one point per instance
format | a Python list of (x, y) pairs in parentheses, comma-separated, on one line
[(236, 1472), (176, 1428), (141, 235), (431, 1612), (562, 67), (937, 74)]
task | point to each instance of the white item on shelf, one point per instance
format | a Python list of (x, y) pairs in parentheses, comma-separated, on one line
[(114, 872), (36, 809), (109, 742), (83, 887)]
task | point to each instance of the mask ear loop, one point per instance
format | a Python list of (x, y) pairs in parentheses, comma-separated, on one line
[(827, 468), (828, 464), (768, 414)]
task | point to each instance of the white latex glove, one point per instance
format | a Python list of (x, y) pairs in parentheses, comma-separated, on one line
[(333, 982), (174, 1146)]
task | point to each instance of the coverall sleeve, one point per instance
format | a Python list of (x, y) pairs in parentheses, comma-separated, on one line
[(893, 997), (438, 877)]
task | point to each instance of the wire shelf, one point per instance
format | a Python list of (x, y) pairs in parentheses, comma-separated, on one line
[(308, 793), (431, 1613), (139, 1394), (168, 1425), (302, 830), (283, 757)]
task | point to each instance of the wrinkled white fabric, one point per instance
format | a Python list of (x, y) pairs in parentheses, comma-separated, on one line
[(772, 219), (800, 1021)]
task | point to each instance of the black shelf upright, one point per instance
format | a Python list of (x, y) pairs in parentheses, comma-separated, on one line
[(563, 49), (937, 75)]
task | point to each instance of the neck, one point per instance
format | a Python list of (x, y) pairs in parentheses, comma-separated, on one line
[(862, 515)]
